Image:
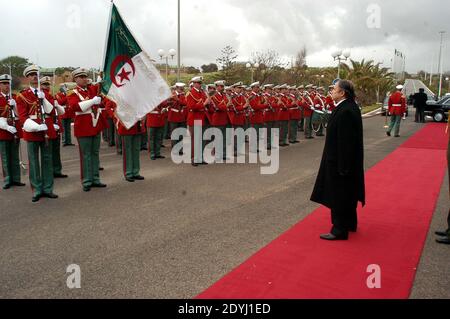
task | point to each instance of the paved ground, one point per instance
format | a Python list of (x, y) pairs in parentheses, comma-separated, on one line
[(179, 231), (412, 86)]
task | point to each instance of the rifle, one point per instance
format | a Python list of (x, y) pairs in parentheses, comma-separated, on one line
[(41, 110)]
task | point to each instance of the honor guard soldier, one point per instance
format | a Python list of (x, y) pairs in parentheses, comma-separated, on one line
[(308, 107), (283, 117), (301, 92), (295, 116), (397, 107), (35, 113), (236, 111), (67, 118), (197, 104), (55, 141), (88, 105), (10, 134), (178, 113), (219, 116), (270, 114), (319, 104), (331, 106), (257, 107), (155, 124)]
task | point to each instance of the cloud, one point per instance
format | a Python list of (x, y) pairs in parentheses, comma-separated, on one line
[(72, 32)]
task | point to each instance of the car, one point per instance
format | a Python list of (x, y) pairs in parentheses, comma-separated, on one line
[(438, 110)]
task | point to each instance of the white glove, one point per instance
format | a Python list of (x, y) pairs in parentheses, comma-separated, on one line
[(97, 100), (41, 95), (56, 126), (42, 127), (11, 129), (12, 103)]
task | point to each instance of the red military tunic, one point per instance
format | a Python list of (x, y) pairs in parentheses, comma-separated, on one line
[(29, 108), (397, 103), (294, 110), (318, 102), (93, 121), (330, 103), (177, 113), (195, 104), (287, 103), (271, 113), (219, 116), (12, 118), (307, 105), (258, 107), (237, 113), (156, 118), (62, 100), (56, 119)]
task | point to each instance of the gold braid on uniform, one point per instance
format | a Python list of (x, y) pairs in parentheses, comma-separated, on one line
[(33, 104)]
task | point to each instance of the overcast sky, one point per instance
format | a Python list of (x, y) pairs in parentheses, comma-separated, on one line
[(72, 32)]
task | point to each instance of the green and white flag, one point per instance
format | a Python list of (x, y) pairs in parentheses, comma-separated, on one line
[(129, 76)]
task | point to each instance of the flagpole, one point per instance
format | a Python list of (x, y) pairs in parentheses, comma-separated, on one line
[(107, 35)]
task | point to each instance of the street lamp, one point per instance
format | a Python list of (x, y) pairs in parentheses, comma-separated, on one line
[(162, 54), (448, 80), (339, 56), (252, 67)]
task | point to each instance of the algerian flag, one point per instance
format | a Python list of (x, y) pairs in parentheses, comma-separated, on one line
[(130, 78)]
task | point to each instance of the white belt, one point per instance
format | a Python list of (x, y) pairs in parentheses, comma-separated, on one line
[(83, 113), (396, 105), (176, 111), (35, 117), (155, 112)]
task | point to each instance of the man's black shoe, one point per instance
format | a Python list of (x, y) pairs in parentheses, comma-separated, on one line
[(203, 163), (445, 240), (397, 136), (139, 178), (7, 186), (309, 137), (195, 164), (98, 185), (60, 176), (51, 196), (129, 179), (163, 146), (160, 157), (101, 169), (333, 237), (388, 133), (36, 198), (19, 184), (86, 188), (144, 149), (441, 233), (68, 145)]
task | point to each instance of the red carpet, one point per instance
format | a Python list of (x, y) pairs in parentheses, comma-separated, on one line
[(392, 230)]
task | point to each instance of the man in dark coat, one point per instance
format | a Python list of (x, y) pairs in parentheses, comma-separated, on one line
[(420, 103), (340, 182)]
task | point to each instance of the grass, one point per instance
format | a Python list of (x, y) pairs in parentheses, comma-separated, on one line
[(370, 108)]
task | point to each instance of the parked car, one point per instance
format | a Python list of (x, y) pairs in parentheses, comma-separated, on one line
[(438, 110)]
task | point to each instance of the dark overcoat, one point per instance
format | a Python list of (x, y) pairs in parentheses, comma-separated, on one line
[(341, 176)]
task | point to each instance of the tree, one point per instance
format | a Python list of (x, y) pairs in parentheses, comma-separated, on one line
[(300, 59), (18, 65), (227, 62), (269, 62), (212, 67), (191, 70)]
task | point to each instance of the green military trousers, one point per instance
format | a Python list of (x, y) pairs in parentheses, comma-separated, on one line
[(131, 149), (308, 126), (90, 159), (41, 172), (395, 124), (67, 138), (155, 141), (284, 129), (9, 155), (293, 129), (56, 155)]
